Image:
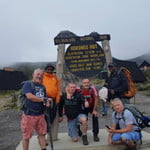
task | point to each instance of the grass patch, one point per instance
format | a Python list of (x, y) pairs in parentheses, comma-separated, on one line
[(8, 100), (4, 93)]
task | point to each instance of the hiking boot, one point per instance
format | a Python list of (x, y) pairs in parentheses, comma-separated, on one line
[(131, 145), (84, 139), (96, 138)]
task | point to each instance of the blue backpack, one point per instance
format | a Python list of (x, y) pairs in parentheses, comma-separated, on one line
[(142, 121)]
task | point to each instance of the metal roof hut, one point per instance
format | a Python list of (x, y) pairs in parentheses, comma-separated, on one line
[(136, 73), (144, 65), (11, 80)]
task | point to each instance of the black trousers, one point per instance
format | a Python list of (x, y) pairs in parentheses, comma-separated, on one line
[(95, 124)]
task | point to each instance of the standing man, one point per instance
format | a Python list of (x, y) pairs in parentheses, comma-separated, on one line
[(117, 84), (124, 128), (33, 111), (72, 102), (52, 85), (91, 96)]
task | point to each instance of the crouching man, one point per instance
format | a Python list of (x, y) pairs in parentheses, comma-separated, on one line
[(72, 102), (124, 129)]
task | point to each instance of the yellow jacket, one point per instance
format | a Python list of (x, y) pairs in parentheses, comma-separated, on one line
[(52, 85)]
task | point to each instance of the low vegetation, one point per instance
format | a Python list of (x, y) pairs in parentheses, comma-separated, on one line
[(7, 93), (145, 87), (8, 99)]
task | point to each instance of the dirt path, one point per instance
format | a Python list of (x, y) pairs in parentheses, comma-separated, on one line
[(10, 134)]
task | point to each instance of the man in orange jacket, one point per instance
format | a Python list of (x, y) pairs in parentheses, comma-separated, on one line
[(52, 85)]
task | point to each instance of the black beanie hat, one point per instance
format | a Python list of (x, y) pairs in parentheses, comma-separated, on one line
[(49, 65)]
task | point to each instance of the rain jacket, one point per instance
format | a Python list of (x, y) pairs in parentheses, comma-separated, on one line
[(52, 85)]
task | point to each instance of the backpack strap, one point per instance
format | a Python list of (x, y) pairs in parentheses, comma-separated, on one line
[(132, 114), (28, 81), (118, 119), (32, 88), (32, 85)]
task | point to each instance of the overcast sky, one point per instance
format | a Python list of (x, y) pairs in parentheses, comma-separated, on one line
[(28, 27)]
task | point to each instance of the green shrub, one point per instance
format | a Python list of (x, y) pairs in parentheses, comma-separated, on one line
[(141, 87), (6, 93), (97, 81), (147, 75), (146, 85)]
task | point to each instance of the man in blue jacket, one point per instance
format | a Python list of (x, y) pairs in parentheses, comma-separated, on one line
[(116, 83)]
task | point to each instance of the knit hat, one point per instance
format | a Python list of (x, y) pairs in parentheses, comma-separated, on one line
[(49, 65)]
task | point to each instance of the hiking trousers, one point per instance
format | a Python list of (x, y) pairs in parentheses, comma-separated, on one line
[(95, 125)]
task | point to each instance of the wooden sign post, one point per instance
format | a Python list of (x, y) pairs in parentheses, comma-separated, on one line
[(59, 72), (107, 51), (83, 57)]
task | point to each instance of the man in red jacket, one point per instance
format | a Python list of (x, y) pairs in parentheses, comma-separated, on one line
[(90, 95)]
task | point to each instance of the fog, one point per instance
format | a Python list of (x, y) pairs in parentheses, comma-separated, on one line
[(28, 27)]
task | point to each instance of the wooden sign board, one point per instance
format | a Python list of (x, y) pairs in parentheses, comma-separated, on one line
[(85, 59), (76, 39)]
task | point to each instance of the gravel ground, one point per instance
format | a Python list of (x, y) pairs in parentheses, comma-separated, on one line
[(10, 134)]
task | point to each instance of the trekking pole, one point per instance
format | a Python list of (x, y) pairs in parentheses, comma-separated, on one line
[(134, 100), (50, 132), (49, 127)]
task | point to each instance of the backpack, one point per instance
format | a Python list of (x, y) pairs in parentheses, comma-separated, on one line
[(131, 86), (141, 120), (21, 97)]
